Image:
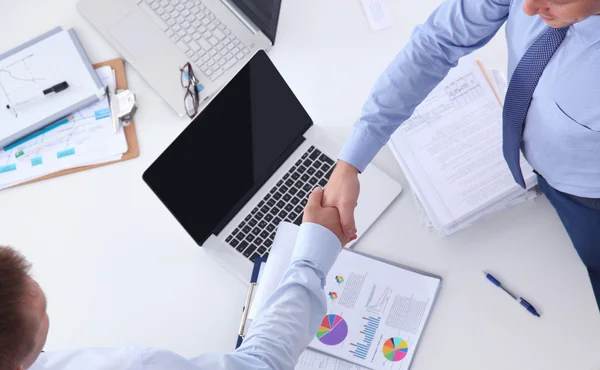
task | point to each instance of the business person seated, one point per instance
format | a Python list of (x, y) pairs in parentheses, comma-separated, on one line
[(275, 340), (551, 111)]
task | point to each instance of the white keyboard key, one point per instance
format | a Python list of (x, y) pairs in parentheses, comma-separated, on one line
[(246, 51), (176, 27), (202, 29), (154, 6), (226, 42), (212, 53), (194, 45), (200, 15), (201, 53), (189, 5), (227, 32), (231, 38), (217, 22), (211, 26), (169, 8), (185, 12), (182, 46), (195, 10), (190, 53), (160, 11), (182, 33), (149, 1), (224, 52), (206, 21), (205, 58), (210, 63), (236, 41), (174, 38), (217, 57), (219, 47), (180, 19), (186, 38), (165, 17), (191, 18), (231, 47), (159, 22), (213, 40), (228, 56), (211, 16), (207, 35), (222, 61), (209, 71), (196, 36), (218, 73), (222, 27), (218, 34), (205, 44), (240, 55), (175, 14), (230, 63), (202, 7), (174, 2), (195, 58), (171, 22), (235, 50), (169, 33), (196, 24), (185, 25), (179, 7), (164, 3), (203, 67)]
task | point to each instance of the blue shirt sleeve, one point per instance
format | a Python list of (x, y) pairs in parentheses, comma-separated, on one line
[(291, 316), (455, 29)]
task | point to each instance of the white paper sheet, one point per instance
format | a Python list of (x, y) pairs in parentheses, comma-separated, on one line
[(378, 14), (371, 304), (311, 360), (86, 139), (451, 149)]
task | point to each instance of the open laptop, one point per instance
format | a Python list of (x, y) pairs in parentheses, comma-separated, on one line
[(158, 37), (247, 162)]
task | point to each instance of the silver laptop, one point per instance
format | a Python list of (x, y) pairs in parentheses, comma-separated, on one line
[(158, 37), (234, 174)]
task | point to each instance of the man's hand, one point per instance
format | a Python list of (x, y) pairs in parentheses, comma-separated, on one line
[(328, 217), (342, 193)]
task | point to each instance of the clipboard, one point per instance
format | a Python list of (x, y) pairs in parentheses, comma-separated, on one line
[(133, 150), (258, 264)]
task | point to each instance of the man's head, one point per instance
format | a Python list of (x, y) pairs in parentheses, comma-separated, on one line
[(562, 13), (23, 319)]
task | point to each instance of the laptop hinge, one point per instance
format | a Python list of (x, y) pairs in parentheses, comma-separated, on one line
[(241, 16)]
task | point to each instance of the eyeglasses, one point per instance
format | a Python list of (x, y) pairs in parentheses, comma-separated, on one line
[(189, 81)]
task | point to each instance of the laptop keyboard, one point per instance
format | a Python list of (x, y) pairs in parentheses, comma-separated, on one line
[(198, 33), (254, 236)]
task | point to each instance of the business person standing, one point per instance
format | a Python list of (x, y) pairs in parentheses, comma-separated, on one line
[(551, 111)]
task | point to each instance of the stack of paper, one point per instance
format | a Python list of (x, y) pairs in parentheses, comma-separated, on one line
[(83, 138), (451, 152)]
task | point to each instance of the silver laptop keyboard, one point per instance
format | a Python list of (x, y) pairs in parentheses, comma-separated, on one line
[(198, 33), (254, 236)]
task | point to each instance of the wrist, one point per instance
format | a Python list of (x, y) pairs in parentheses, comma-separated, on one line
[(346, 168)]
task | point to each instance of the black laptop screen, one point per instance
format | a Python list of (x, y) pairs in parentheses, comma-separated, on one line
[(227, 153), (264, 13)]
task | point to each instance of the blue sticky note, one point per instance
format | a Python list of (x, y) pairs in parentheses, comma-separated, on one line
[(8, 168), (65, 153), (36, 161)]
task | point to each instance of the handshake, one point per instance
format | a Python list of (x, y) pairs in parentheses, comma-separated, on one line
[(333, 208)]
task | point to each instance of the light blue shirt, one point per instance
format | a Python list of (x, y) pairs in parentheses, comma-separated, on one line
[(562, 131), (277, 337)]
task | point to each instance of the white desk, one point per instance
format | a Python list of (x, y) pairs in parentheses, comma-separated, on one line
[(118, 269)]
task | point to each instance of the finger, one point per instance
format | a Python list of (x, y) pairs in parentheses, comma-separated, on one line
[(347, 221), (315, 198)]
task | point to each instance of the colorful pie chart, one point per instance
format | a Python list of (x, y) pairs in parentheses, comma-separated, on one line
[(333, 330), (395, 349)]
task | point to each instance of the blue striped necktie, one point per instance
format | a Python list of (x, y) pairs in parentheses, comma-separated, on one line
[(520, 92)]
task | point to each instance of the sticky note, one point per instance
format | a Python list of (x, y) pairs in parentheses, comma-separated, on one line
[(378, 14)]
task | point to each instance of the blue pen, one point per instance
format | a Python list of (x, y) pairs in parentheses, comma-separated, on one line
[(523, 302)]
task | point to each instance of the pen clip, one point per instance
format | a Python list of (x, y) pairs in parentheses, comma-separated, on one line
[(242, 329)]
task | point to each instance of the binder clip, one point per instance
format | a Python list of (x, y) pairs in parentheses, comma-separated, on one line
[(123, 106)]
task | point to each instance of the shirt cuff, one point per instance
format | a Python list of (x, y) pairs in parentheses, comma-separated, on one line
[(360, 149), (317, 244)]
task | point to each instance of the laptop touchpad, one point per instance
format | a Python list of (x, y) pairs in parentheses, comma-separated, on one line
[(140, 37)]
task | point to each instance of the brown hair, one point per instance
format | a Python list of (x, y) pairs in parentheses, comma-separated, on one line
[(16, 338)]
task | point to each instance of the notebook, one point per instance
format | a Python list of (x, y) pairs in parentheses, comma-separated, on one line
[(27, 70), (376, 311)]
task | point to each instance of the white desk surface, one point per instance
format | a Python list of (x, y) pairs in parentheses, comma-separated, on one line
[(118, 269)]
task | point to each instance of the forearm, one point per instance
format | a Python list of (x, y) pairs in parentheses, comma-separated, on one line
[(455, 29)]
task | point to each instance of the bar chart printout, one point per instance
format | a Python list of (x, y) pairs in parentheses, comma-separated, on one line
[(361, 350)]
